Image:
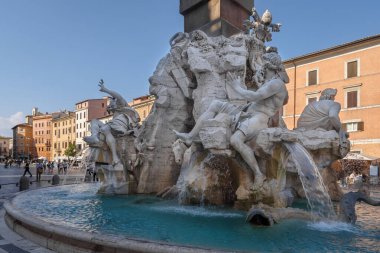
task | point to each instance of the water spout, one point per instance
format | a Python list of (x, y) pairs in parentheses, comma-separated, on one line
[(312, 183)]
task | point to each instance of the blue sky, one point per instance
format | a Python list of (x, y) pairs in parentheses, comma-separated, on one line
[(53, 52)]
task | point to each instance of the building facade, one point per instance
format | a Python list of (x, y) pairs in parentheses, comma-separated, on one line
[(85, 111), (5, 146), (143, 105), (42, 135), (63, 134), (23, 142), (354, 70)]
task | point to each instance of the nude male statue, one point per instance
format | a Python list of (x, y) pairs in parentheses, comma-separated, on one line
[(264, 103), (125, 120)]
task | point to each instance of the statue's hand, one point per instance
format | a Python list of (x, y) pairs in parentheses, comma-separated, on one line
[(233, 80), (101, 85)]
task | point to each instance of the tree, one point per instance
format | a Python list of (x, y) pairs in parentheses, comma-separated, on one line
[(70, 151), (347, 166)]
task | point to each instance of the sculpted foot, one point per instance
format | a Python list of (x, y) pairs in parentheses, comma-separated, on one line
[(185, 137), (115, 162), (118, 166), (92, 140), (259, 181)]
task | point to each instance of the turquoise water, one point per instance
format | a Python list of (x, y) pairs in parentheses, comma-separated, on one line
[(151, 218)]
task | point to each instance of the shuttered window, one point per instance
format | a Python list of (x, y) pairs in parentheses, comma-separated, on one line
[(352, 69), (352, 99), (312, 77), (353, 126)]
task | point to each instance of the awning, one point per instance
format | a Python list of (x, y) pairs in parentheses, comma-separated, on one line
[(356, 156)]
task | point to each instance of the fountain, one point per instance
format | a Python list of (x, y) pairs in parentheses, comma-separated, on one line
[(213, 147)]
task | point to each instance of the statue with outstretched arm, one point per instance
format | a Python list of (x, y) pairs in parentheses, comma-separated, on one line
[(125, 120), (264, 103)]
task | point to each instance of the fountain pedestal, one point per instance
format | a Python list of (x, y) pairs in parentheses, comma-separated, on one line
[(115, 181)]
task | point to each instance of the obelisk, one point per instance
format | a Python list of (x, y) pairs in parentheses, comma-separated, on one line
[(215, 17)]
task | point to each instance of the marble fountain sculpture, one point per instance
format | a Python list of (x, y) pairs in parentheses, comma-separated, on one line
[(215, 137), (215, 134)]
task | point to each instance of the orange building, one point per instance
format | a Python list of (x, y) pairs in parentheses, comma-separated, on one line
[(85, 111), (42, 135), (143, 105), (354, 70), (63, 134), (23, 142)]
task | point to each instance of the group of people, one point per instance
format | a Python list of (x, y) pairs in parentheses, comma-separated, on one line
[(46, 167), (9, 162)]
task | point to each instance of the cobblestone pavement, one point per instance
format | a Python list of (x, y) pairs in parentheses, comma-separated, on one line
[(10, 242)]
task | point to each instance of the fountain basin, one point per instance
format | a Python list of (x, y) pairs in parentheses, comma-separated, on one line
[(75, 219)]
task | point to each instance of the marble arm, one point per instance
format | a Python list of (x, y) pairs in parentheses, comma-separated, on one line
[(265, 91), (114, 94)]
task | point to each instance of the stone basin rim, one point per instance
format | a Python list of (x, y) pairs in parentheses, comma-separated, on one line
[(61, 238)]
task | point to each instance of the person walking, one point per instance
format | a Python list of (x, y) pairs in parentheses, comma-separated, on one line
[(27, 169), (65, 165), (39, 169)]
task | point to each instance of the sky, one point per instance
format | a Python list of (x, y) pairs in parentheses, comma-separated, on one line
[(54, 52)]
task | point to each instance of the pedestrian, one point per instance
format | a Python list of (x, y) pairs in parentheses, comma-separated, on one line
[(27, 169), (45, 165), (60, 167), (39, 169), (65, 165)]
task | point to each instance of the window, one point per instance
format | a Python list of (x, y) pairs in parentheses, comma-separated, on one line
[(352, 68), (312, 77), (353, 126), (311, 99), (352, 98), (312, 96)]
